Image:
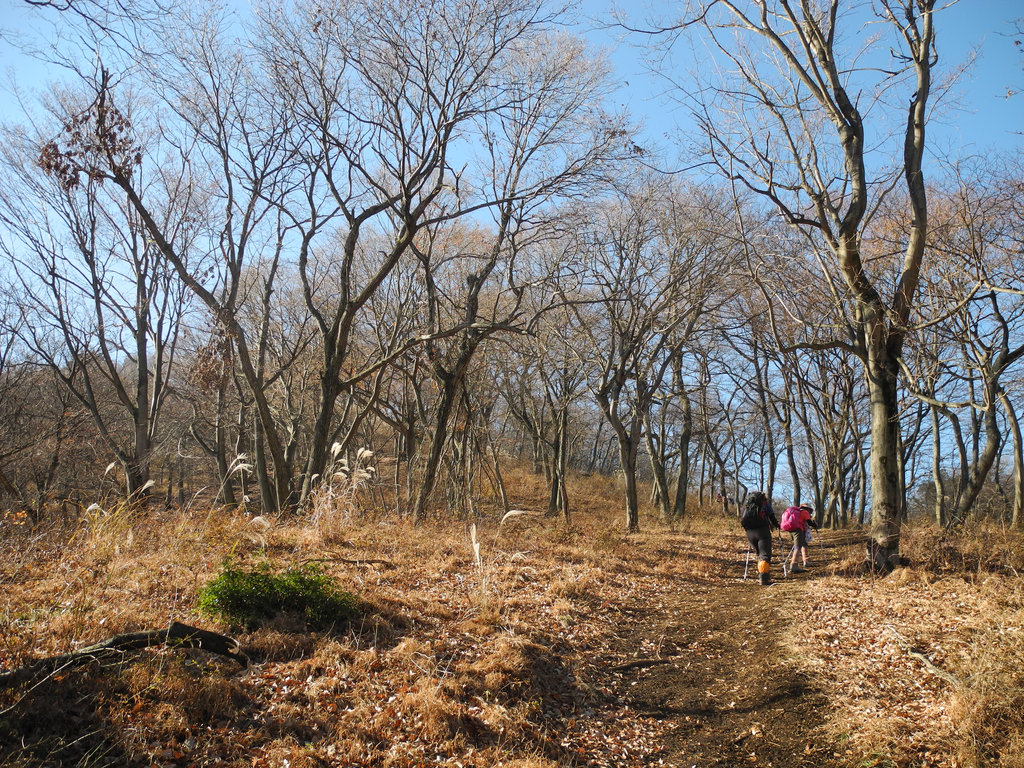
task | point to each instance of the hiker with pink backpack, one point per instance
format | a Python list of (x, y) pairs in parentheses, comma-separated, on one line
[(795, 521)]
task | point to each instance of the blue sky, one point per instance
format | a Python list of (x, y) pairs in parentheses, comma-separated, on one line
[(989, 117), (977, 117)]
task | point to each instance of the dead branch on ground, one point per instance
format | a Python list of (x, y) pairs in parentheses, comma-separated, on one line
[(176, 635)]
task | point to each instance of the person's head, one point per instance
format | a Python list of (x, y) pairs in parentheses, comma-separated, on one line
[(807, 508)]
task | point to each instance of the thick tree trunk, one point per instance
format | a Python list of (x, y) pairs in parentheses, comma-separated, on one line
[(319, 449), (558, 495), (627, 459), (886, 485), (268, 498), (136, 472), (553, 489)]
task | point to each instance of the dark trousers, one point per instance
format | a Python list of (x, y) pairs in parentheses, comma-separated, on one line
[(761, 541)]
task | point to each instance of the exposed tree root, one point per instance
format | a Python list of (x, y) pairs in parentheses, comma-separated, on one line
[(177, 635)]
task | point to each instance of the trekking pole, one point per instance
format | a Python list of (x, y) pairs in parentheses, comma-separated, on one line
[(785, 573), (746, 565), (821, 548)]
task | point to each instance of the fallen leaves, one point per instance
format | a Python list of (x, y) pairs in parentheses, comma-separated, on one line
[(529, 658), (889, 700)]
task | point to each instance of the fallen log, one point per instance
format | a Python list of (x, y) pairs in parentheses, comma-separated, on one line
[(176, 635)]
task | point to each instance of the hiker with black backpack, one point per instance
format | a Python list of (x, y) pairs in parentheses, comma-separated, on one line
[(758, 520)]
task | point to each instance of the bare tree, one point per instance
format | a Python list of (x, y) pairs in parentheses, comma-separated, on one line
[(103, 310), (701, 246), (548, 144), (649, 284), (791, 124), (970, 342), (362, 132), (542, 381)]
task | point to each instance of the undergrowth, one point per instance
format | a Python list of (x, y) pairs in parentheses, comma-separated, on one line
[(981, 547), (455, 654), (947, 630), (251, 597)]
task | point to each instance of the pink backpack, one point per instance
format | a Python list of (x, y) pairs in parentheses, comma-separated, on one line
[(791, 519)]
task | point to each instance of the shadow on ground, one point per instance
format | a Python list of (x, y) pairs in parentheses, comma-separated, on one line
[(726, 680)]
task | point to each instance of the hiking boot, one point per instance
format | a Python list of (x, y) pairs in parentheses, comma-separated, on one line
[(765, 579), (797, 569)]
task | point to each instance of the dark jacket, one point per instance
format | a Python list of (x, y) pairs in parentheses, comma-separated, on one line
[(763, 518)]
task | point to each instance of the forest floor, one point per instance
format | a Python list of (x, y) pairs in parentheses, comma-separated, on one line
[(729, 686), (578, 646)]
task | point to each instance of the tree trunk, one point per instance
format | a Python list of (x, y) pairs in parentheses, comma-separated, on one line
[(862, 488), (683, 476), (563, 471), (937, 479), (268, 499), (557, 492), (319, 448), (444, 410), (627, 459), (226, 495), (138, 471), (979, 471), (704, 481), (886, 501), (499, 480), (180, 635), (654, 452), (794, 473), (553, 489), (593, 465), (1018, 461)]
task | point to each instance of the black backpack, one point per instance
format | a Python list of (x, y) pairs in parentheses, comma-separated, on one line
[(754, 512)]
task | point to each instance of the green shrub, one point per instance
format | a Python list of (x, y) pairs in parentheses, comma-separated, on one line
[(249, 598)]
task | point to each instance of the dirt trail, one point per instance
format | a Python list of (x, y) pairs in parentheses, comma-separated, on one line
[(726, 680)]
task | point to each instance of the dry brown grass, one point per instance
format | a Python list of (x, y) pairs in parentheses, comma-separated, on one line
[(926, 666), (981, 548), (436, 629), (483, 663)]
